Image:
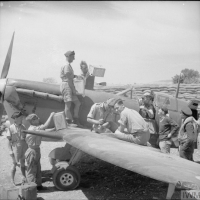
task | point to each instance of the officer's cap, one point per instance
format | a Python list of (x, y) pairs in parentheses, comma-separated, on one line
[(113, 101), (31, 117), (186, 111), (69, 53), (16, 115)]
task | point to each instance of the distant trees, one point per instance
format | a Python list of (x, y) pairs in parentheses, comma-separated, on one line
[(50, 80), (189, 76)]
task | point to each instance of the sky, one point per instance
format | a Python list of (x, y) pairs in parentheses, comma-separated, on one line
[(135, 41)]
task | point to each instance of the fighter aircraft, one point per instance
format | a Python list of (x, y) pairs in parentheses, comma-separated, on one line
[(42, 99)]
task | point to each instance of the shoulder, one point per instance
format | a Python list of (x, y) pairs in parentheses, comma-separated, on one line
[(96, 105), (66, 67), (12, 127)]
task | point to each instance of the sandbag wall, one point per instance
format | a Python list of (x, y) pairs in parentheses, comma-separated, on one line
[(186, 91)]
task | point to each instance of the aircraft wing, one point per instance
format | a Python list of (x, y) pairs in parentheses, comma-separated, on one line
[(143, 160)]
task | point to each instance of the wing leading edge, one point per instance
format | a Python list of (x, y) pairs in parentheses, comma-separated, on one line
[(140, 159)]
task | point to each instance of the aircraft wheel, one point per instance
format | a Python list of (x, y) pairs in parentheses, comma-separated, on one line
[(66, 179)]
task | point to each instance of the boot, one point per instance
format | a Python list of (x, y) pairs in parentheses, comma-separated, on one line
[(76, 121), (70, 123)]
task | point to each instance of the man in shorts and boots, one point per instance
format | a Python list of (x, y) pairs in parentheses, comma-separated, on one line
[(17, 145), (33, 154), (68, 90)]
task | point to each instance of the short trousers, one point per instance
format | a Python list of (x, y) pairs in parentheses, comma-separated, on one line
[(67, 93), (19, 150)]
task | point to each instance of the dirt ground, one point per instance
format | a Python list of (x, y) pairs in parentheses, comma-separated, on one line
[(99, 180)]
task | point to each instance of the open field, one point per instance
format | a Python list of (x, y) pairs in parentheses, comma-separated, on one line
[(186, 91)]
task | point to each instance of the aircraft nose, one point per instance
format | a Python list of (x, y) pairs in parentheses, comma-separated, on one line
[(2, 88)]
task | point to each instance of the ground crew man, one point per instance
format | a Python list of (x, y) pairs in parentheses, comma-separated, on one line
[(84, 70), (68, 90), (167, 130), (147, 111), (33, 154), (101, 116), (133, 127), (187, 134), (17, 145)]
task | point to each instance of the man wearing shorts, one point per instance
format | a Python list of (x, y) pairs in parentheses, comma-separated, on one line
[(68, 90), (17, 145)]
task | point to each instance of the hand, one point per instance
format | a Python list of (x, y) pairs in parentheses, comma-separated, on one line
[(169, 135), (101, 121), (53, 113)]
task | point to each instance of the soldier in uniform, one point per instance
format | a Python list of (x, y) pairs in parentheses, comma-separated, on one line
[(187, 134), (147, 111), (84, 70), (33, 154), (68, 90), (17, 145), (101, 116), (133, 127)]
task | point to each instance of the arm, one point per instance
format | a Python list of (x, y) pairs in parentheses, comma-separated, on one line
[(94, 121), (187, 145), (149, 112), (121, 128), (91, 115), (9, 145), (47, 123), (106, 125), (65, 73), (174, 127), (122, 122)]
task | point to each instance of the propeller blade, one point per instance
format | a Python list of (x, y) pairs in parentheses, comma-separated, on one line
[(7, 62), (1, 110)]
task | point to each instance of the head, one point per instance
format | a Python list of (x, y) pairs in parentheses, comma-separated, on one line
[(147, 98), (185, 112), (84, 67), (163, 111), (17, 117), (110, 103), (70, 56), (33, 119), (119, 106)]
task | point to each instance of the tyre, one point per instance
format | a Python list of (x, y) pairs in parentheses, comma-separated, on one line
[(66, 179)]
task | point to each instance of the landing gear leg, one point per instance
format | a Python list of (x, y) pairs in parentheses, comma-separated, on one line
[(66, 176), (170, 191)]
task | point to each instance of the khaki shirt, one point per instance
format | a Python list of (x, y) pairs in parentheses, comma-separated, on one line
[(97, 112), (15, 135), (33, 140)]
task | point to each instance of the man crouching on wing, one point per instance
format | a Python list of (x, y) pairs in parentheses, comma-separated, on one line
[(100, 115), (133, 127)]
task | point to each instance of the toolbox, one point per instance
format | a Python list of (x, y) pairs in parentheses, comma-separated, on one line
[(96, 71)]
